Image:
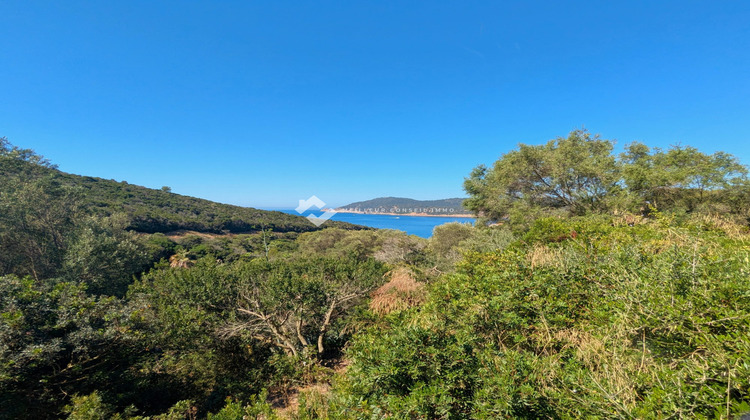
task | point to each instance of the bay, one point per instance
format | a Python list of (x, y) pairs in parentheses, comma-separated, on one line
[(413, 225)]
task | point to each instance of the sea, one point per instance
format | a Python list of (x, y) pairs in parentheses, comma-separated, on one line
[(413, 225)]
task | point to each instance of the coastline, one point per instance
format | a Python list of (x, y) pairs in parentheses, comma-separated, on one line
[(462, 215)]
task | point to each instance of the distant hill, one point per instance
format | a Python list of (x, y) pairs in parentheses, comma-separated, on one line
[(150, 210), (398, 205)]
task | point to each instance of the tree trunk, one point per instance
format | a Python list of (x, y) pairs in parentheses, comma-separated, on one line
[(324, 327), (301, 337)]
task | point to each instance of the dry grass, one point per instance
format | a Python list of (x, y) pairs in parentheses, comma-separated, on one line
[(401, 292), (627, 219), (286, 406), (731, 228), (176, 235), (612, 367), (544, 256)]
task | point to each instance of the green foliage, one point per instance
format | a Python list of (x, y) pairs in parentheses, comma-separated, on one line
[(179, 312), (443, 246), (257, 409), (204, 321), (44, 232), (161, 211), (152, 210), (552, 229), (580, 175), (72, 341), (229, 248), (487, 239), (577, 173), (387, 246), (37, 217), (181, 410), (416, 372), (159, 246), (681, 177), (548, 314), (91, 407), (148, 210), (294, 304), (445, 238), (649, 321), (16, 161), (105, 256), (57, 340)]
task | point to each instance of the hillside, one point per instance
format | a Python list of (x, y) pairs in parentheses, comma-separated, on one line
[(153, 210), (448, 206), (150, 211)]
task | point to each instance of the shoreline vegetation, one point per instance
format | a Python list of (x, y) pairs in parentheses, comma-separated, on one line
[(410, 214)]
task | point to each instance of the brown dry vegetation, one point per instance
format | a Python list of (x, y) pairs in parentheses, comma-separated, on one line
[(176, 235), (732, 228), (627, 219), (401, 292), (286, 405), (544, 256)]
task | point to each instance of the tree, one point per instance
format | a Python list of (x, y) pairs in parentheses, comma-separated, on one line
[(178, 312), (444, 242), (105, 256), (576, 175), (389, 246), (37, 214), (293, 305), (681, 176), (580, 175), (11, 154)]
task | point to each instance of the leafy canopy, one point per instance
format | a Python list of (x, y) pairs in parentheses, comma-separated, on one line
[(579, 175)]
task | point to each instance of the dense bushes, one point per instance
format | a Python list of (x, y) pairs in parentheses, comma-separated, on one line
[(649, 321), (617, 315), (576, 318), (81, 325), (55, 339)]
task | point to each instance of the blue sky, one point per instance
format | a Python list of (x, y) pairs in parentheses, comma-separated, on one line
[(264, 103)]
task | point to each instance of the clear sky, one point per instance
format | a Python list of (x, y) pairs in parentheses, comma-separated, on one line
[(262, 103)]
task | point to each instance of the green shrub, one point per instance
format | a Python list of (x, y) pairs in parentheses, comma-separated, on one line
[(646, 321)]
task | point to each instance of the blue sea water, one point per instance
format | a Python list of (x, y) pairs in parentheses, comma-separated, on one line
[(413, 225)]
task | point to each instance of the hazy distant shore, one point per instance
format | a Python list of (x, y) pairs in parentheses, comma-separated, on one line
[(468, 216)]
